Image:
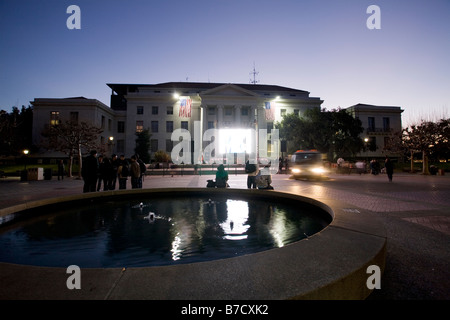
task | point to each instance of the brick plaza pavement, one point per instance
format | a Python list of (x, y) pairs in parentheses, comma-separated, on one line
[(415, 210)]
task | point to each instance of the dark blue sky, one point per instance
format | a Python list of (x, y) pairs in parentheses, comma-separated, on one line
[(321, 46)]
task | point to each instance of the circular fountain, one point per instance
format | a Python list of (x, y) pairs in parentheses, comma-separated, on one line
[(192, 244)]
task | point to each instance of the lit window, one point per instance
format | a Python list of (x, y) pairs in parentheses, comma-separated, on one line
[(54, 118), (139, 126)]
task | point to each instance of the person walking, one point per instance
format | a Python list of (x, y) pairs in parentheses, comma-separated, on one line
[(389, 166), (89, 172)]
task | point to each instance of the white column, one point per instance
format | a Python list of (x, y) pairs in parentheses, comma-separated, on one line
[(220, 116), (237, 115)]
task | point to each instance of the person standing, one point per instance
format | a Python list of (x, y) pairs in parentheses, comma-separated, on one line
[(100, 173), (251, 169), (61, 169), (113, 172), (123, 172), (135, 172), (89, 172), (142, 168), (389, 168)]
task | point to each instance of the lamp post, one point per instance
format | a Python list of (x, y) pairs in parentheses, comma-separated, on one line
[(24, 176), (111, 144), (366, 141)]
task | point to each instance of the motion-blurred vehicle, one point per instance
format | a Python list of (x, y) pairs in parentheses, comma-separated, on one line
[(307, 164)]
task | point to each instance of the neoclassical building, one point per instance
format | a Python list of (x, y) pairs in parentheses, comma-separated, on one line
[(165, 108), (173, 111), (53, 111), (379, 123)]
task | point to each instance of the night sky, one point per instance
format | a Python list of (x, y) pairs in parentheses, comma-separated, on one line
[(323, 47)]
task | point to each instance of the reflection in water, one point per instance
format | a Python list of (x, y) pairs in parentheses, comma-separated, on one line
[(182, 230), (236, 225), (176, 252)]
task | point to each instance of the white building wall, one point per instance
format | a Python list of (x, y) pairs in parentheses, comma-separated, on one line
[(377, 131), (90, 111)]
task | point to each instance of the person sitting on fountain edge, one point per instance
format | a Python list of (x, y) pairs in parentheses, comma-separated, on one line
[(221, 177)]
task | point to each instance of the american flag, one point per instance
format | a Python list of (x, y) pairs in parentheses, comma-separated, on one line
[(185, 107), (270, 110)]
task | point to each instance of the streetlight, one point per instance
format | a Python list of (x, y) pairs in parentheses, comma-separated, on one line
[(25, 153), (24, 176), (111, 144)]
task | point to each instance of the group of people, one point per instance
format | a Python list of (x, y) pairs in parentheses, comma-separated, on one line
[(98, 170), (374, 166), (256, 178)]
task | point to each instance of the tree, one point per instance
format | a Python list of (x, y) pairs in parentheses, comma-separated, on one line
[(333, 132), (143, 145), (72, 139), (162, 156), (290, 130), (15, 130), (429, 138), (346, 140)]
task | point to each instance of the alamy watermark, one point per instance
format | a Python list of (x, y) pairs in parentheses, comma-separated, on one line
[(74, 20), (74, 280), (226, 146), (374, 280), (372, 22)]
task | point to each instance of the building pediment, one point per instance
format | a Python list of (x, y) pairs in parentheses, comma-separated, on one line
[(228, 90)]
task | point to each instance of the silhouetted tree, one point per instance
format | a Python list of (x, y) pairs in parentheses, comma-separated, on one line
[(143, 145), (73, 139), (15, 130), (429, 138), (333, 132)]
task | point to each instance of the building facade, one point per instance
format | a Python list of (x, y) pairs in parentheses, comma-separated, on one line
[(171, 110), (181, 115), (379, 123), (54, 111)]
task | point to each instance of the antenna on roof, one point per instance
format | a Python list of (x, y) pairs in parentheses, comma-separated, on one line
[(254, 73)]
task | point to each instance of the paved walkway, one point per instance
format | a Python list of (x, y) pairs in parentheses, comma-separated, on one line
[(415, 210)]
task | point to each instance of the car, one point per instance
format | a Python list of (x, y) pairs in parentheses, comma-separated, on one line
[(307, 164)]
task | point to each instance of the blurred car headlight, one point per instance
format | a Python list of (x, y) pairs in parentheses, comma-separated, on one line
[(295, 170), (318, 170)]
